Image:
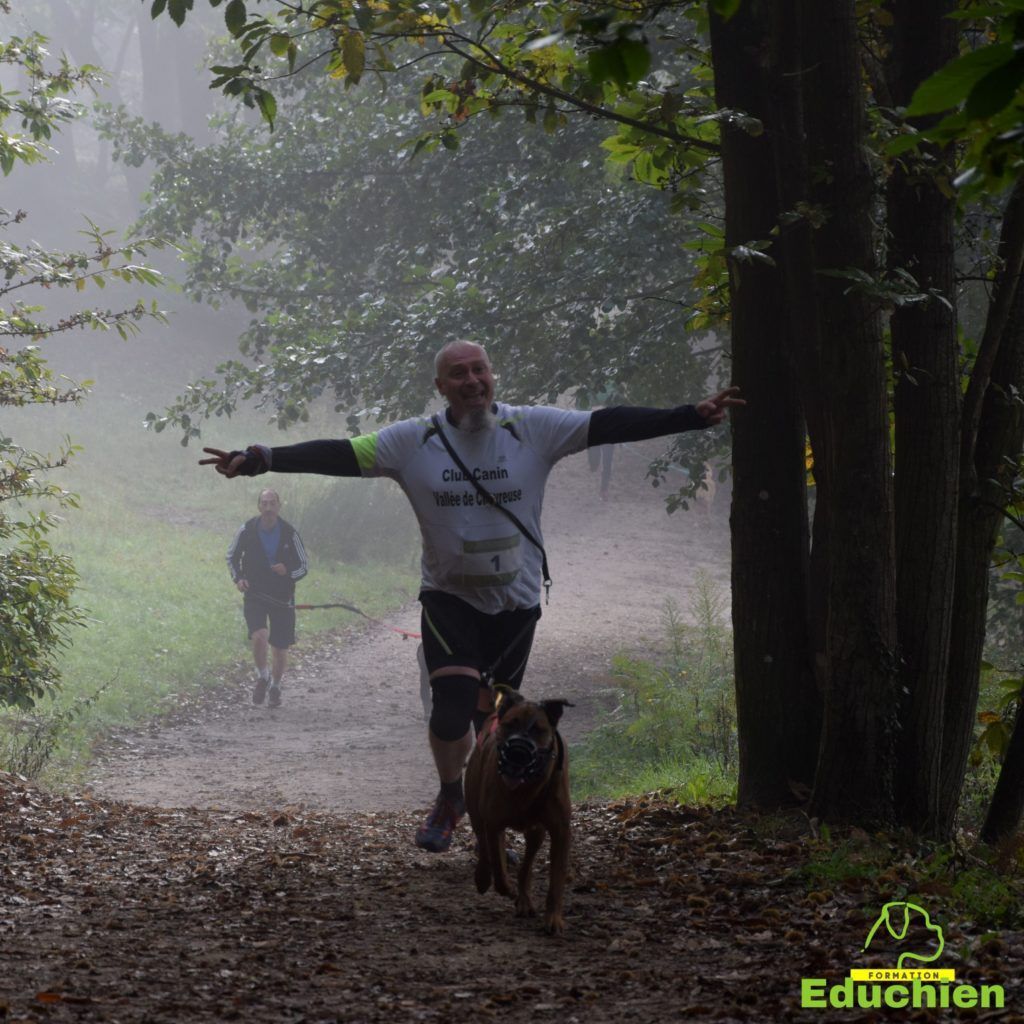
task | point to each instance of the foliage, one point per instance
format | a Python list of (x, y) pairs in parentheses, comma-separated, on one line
[(676, 711), (44, 105), (29, 741), (356, 263), (984, 89), (508, 53), (36, 583)]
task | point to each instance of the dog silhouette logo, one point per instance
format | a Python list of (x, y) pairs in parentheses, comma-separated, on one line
[(898, 919)]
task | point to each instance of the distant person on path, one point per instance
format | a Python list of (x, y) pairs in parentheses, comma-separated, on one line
[(481, 573), (266, 559), (602, 456)]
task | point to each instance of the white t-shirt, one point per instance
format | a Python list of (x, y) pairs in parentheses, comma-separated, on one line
[(470, 549)]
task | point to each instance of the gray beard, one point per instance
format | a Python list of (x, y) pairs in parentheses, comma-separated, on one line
[(477, 420)]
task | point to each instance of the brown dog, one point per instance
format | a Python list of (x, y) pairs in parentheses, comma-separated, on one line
[(518, 778)]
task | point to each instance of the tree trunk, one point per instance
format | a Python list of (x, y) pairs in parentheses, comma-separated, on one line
[(925, 353), (987, 470), (854, 780), (775, 696), (796, 258)]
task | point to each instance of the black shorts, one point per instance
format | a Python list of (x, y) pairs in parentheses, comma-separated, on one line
[(258, 610), (456, 633)]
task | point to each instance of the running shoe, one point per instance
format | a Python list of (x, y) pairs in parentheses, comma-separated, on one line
[(274, 697), (259, 691), (435, 834)]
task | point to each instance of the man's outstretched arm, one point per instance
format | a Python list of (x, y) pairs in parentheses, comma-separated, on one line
[(328, 458), (623, 423)]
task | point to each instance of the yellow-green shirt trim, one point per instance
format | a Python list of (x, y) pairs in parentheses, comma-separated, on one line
[(365, 447)]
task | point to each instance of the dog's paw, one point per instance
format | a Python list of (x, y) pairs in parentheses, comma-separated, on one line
[(554, 923), (482, 876), (524, 906), (502, 886)]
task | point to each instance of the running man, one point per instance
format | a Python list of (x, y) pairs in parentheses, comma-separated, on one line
[(266, 559)]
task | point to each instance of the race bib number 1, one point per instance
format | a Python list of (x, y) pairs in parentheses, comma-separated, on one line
[(491, 561)]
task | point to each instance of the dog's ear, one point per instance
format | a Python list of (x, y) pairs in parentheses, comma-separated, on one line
[(554, 708), (505, 698)]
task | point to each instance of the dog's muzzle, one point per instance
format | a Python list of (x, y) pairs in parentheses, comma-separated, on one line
[(521, 760)]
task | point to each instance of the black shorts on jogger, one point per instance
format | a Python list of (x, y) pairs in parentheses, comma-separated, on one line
[(258, 610), (456, 633)]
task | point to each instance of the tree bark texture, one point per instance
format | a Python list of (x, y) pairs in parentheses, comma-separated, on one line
[(854, 780), (925, 353), (775, 696)]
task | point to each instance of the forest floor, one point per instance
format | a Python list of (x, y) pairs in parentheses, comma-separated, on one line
[(238, 863)]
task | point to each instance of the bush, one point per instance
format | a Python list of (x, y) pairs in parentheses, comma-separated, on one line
[(675, 721)]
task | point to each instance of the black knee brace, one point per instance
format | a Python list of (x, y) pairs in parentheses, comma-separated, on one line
[(454, 701)]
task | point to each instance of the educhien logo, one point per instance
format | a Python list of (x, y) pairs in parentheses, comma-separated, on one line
[(908, 932)]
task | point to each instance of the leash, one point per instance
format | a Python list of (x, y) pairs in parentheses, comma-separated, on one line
[(404, 633), (487, 674)]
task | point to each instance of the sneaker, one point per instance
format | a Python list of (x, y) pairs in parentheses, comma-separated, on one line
[(274, 696), (259, 691), (435, 834)]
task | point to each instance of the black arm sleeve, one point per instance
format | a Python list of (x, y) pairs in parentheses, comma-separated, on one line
[(329, 458), (632, 423)]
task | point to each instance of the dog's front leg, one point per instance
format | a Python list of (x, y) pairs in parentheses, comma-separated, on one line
[(482, 874), (495, 840), (554, 923), (524, 903)]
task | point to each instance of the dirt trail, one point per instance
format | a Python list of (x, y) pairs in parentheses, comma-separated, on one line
[(350, 734)]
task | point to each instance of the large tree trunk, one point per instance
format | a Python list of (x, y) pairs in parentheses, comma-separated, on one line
[(854, 779), (925, 355), (775, 696), (987, 469)]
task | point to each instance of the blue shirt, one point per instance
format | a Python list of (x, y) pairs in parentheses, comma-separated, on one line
[(270, 539)]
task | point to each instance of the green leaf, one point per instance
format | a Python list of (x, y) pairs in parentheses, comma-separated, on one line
[(177, 9), (267, 104), (353, 52), (235, 17), (364, 16), (279, 43), (725, 8), (996, 90), (950, 86), (158, 8), (623, 62)]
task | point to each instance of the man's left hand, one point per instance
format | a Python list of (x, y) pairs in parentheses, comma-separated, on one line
[(279, 568), (715, 409)]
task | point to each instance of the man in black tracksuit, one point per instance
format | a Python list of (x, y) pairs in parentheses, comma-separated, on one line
[(266, 559)]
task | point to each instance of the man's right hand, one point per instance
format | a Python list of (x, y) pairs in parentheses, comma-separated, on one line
[(235, 463), (243, 585)]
